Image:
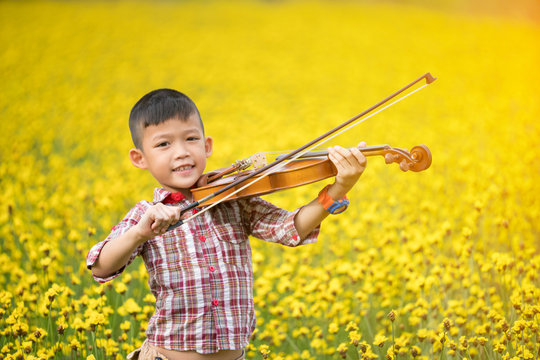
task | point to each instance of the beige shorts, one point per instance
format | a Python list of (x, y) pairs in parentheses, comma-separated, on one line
[(146, 352), (149, 352)]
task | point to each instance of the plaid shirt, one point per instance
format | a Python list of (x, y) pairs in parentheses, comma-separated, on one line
[(201, 272)]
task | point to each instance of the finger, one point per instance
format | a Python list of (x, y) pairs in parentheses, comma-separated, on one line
[(339, 153), (359, 157), (172, 216), (340, 150), (176, 214), (161, 218), (351, 157), (362, 159), (337, 158)]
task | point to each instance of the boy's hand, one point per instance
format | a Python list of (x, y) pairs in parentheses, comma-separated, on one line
[(117, 252), (156, 220), (350, 164)]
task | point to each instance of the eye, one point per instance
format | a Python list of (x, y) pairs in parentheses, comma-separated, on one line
[(193, 138), (162, 144)]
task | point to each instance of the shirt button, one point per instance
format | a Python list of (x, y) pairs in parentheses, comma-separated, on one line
[(295, 237), (195, 211), (211, 268), (215, 302), (202, 238)]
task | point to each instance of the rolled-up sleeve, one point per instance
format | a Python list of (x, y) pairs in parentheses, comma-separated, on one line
[(131, 218), (273, 224)]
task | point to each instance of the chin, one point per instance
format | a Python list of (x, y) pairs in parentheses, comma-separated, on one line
[(183, 186)]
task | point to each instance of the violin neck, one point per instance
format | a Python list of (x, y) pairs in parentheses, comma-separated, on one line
[(367, 151)]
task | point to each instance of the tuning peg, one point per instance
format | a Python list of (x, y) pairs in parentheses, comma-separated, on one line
[(404, 165)]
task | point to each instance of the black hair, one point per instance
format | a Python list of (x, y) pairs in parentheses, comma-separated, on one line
[(157, 107)]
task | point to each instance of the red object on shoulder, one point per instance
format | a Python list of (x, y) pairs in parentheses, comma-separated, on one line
[(174, 198)]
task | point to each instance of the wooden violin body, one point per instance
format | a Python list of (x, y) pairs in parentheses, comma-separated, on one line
[(308, 168)]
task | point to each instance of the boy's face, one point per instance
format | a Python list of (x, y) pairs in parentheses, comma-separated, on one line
[(174, 152)]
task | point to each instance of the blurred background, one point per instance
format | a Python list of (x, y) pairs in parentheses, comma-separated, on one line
[(459, 241)]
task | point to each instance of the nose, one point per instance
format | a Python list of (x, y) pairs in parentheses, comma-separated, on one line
[(180, 151)]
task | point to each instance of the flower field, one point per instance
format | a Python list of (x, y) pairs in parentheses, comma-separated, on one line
[(439, 264)]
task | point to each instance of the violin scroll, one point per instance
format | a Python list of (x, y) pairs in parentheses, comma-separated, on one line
[(422, 157), (418, 159)]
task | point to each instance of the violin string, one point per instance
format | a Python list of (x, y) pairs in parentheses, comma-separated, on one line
[(284, 163)]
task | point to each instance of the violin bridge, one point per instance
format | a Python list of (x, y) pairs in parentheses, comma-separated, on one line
[(258, 160)]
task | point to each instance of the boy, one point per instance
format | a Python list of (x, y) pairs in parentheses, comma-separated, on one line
[(200, 273)]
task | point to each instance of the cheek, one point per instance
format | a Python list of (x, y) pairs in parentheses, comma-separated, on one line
[(159, 161), (202, 162)]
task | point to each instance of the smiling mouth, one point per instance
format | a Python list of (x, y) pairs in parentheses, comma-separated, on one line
[(183, 168)]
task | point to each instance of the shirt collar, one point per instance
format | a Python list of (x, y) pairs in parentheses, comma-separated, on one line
[(162, 195)]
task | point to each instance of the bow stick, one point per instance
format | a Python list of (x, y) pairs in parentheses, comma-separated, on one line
[(285, 159)]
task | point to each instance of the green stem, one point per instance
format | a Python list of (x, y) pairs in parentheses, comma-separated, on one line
[(393, 341), (486, 352), (443, 341), (93, 342)]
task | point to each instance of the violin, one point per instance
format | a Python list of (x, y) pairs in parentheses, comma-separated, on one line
[(308, 168), (301, 166)]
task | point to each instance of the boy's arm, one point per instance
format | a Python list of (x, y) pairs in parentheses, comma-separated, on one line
[(350, 164), (116, 253)]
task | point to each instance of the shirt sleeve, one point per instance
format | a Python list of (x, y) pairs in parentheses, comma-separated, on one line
[(131, 218), (273, 224)]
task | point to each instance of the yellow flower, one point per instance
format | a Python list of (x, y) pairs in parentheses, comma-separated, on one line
[(75, 280), (45, 262), (75, 344), (264, 350), (333, 328), (130, 307), (415, 351), (351, 325), (379, 340), (342, 350), (499, 347), (422, 334), (482, 340), (355, 337), (390, 355), (95, 319), (446, 324), (120, 287), (126, 325), (78, 324)]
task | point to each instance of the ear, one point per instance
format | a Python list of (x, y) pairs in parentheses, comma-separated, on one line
[(137, 158), (208, 145)]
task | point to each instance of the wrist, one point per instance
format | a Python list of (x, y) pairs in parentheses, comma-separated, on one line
[(337, 190), (331, 203)]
